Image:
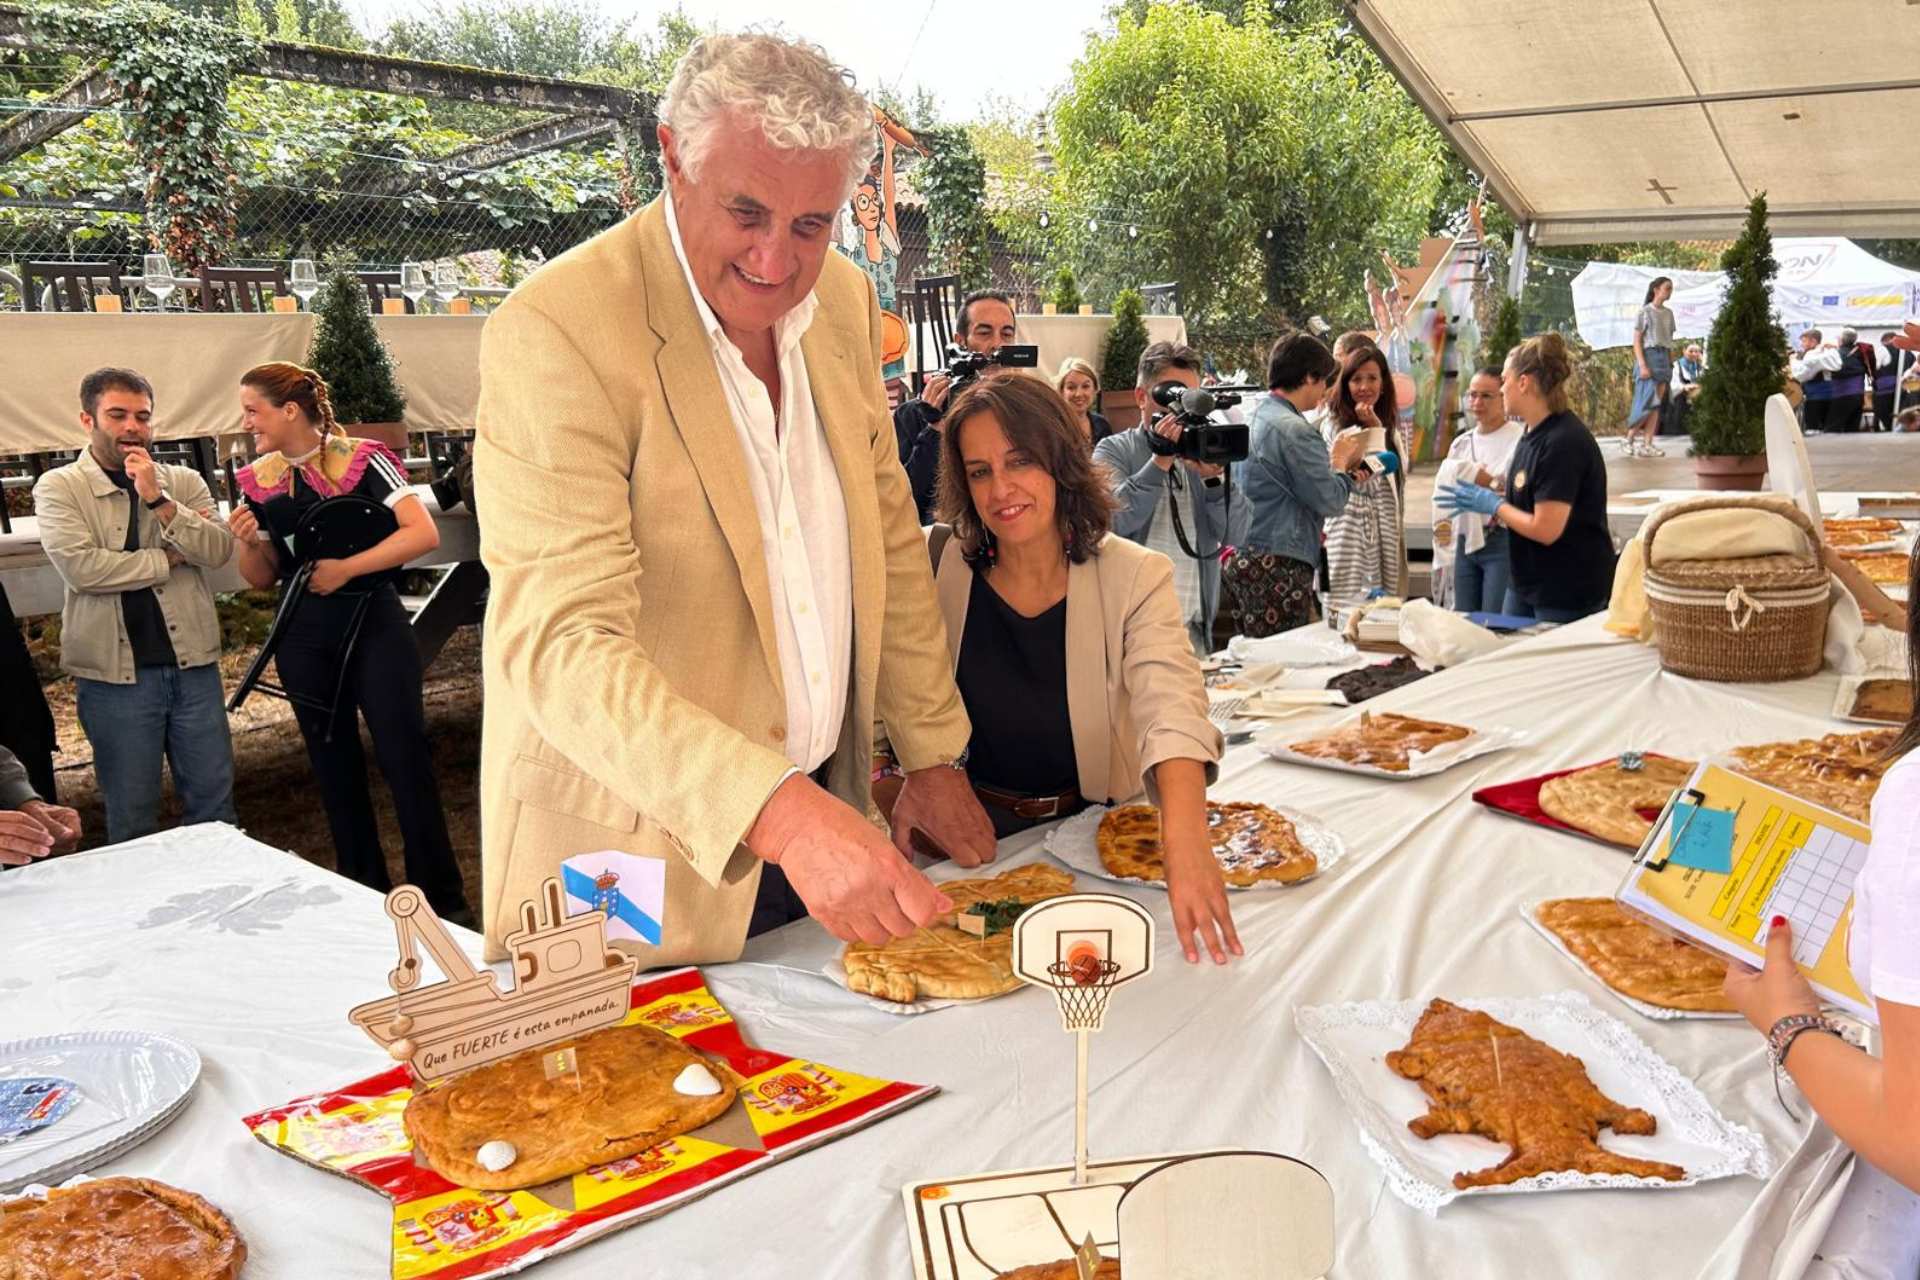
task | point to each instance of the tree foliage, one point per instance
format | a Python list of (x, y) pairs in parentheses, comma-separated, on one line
[(954, 181), (1749, 349), (348, 353), (1504, 334), (1198, 133), (1125, 340)]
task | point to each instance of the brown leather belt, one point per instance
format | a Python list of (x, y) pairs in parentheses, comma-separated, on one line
[(1030, 807)]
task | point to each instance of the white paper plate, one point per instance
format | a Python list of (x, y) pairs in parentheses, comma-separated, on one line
[(1354, 1039), (1479, 742), (1073, 842), (1849, 686), (1310, 646), (1641, 1007), (144, 1079)]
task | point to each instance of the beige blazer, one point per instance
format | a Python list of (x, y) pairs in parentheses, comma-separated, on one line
[(83, 530), (1135, 695), (633, 686)]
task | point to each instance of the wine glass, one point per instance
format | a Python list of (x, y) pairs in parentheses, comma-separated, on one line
[(159, 278), (413, 284), (304, 280), (446, 284)]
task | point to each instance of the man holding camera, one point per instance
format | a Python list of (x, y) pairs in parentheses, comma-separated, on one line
[(1148, 484), (986, 325)]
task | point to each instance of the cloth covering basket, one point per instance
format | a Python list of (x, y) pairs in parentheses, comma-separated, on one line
[(1750, 619)]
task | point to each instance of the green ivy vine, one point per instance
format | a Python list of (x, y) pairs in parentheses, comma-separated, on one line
[(174, 69), (953, 179)]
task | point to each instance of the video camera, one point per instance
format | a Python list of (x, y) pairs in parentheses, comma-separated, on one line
[(963, 366), (1200, 440)]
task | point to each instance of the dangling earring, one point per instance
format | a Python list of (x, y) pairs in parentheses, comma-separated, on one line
[(1069, 544), (992, 547)]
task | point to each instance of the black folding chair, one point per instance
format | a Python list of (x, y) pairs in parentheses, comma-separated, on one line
[(329, 530)]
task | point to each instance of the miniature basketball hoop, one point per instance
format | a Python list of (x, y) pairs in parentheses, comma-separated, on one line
[(1081, 947)]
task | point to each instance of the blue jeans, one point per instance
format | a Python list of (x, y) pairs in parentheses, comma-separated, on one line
[(1519, 608), (166, 712), (1480, 578)]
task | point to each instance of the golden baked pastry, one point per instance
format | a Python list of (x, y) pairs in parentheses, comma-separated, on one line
[(939, 961), (1840, 771), (1109, 1269), (1251, 842), (1856, 537), (618, 1101), (1606, 800), (1636, 959), (1486, 1077), (121, 1228), (1883, 699), (1384, 741), (1886, 568), (1860, 524)]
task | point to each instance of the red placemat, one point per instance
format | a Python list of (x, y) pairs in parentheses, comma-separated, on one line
[(1522, 800)]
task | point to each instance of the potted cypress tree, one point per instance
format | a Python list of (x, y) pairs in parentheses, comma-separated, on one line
[(1504, 334), (1065, 298), (348, 353), (1746, 359), (1120, 359)]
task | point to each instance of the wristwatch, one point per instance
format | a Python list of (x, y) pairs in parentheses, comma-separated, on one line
[(959, 763), (1790, 1028), (159, 502)]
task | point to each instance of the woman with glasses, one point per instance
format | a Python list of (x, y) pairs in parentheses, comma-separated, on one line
[(1480, 563)]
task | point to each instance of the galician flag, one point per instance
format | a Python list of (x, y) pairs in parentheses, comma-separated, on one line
[(631, 889)]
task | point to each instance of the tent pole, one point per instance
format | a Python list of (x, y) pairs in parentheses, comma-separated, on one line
[(1517, 269)]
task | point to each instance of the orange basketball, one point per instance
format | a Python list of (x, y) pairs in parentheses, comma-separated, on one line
[(1083, 962)]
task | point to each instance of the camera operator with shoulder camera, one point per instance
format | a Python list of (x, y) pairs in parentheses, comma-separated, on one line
[(1172, 501), (986, 324)]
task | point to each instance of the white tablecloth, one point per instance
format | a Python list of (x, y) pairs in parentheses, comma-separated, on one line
[(254, 956)]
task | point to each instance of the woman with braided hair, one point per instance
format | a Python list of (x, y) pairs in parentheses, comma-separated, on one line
[(304, 459)]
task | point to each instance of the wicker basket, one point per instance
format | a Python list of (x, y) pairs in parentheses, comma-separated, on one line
[(1754, 619)]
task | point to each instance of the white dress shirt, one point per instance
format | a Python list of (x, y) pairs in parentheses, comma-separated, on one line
[(803, 523)]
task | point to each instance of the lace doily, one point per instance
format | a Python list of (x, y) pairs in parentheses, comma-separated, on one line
[(1074, 843), (1641, 1007), (1566, 1020)]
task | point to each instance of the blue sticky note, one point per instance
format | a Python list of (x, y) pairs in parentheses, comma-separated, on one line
[(1705, 838)]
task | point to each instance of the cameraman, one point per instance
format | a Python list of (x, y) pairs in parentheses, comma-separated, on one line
[(986, 325), (1146, 484)]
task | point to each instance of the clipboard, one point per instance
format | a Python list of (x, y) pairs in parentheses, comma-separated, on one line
[(1789, 857)]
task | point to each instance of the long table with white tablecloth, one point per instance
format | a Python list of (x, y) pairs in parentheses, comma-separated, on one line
[(254, 956)]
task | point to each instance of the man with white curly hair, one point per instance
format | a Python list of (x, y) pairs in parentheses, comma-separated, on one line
[(708, 581)]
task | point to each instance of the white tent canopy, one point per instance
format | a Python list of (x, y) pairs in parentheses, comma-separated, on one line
[(1823, 281), (1611, 120)]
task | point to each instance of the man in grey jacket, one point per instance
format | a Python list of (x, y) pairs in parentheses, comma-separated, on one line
[(134, 539), (1148, 485), (30, 828)]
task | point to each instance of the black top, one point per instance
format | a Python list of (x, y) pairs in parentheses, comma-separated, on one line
[(146, 625), (1101, 427), (280, 514), (1013, 680), (1559, 461)]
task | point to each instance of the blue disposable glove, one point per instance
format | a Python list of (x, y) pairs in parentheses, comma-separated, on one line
[(1468, 497)]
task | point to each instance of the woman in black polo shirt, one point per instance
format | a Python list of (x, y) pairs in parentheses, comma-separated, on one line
[(306, 458), (1556, 500)]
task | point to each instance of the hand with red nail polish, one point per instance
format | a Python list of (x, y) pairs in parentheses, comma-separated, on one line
[(1765, 995)]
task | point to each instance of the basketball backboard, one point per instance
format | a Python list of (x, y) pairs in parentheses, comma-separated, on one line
[(1081, 927), (1240, 1213)]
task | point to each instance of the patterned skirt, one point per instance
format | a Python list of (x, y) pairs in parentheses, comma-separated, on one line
[(1267, 594)]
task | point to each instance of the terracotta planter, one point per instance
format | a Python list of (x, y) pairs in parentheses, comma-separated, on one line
[(1730, 471), (1118, 407), (391, 434)]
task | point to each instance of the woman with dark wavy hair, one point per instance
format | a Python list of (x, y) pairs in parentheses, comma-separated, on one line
[(1366, 543), (1068, 645)]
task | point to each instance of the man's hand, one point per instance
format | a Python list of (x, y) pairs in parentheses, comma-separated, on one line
[(1764, 996), (22, 838), (1167, 427), (61, 823), (175, 557), (145, 476), (328, 577), (244, 524), (1908, 339), (938, 387), (1346, 450), (940, 802), (853, 881)]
